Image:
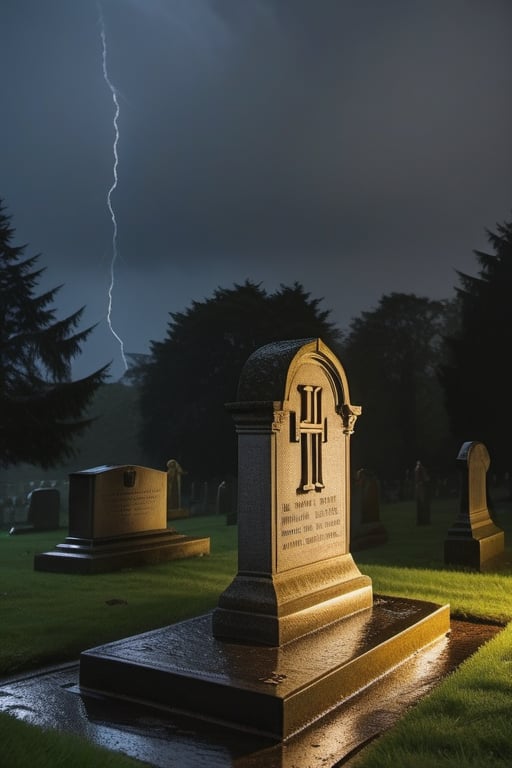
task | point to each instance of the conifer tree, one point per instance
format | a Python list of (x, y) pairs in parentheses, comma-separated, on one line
[(41, 408), (475, 378), (390, 354)]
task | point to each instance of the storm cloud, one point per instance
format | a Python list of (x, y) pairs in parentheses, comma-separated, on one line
[(356, 146)]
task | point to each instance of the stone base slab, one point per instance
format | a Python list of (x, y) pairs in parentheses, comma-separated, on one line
[(87, 556), (480, 553), (50, 698), (270, 691)]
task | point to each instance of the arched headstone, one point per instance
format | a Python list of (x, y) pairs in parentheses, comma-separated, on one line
[(474, 541)]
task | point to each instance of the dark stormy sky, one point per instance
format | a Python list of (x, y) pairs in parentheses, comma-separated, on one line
[(359, 147)]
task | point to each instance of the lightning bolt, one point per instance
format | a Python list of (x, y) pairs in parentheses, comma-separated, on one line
[(112, 189)]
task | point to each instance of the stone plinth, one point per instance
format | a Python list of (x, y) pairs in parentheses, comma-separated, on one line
[(271, 691), (118, 519)]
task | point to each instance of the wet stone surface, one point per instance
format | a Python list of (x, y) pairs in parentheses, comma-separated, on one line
[(51, 698)]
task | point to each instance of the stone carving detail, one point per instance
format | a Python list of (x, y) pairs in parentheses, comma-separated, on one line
[(312, 432), (349, 414)]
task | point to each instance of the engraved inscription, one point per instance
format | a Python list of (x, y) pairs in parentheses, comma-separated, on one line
[(315, 521), (130, 502), (311, 465), (120, 507)]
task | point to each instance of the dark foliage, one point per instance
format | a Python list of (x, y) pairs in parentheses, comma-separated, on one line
[(41, 408), (390, 356), (194, 372), (475, 377)]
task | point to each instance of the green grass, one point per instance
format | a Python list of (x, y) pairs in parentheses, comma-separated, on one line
[(52, 617), (465, 721), (411, 564), (23, 745), (49, 618)]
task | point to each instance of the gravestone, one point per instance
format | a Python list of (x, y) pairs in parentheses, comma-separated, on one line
[(293, 421), (474, 541), (200, 499), (225, 503), (175, 508), (422, 494), (297, 633), (118, 519), (366, 528), (43, 512)]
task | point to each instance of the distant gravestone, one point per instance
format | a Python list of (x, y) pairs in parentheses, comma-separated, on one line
[(474, 541), (111, 501), (226, 501), (422, 494), (43, 512), (44, 509), (200, 499), (366, 527), (117, 519), (174, 503), (297, 632)]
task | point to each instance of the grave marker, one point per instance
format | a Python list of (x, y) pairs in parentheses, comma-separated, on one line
[(175, 508), (474, 541), (43, 512), (294, 427), (367, 529), (422, 494), (118, 519)]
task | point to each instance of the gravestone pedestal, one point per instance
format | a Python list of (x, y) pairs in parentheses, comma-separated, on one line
[(298, 631), (474, 541), (118, 519)]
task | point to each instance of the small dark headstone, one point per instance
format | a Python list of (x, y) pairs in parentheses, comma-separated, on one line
[(226, 502), (43, 512), (366, 529), (44, 509), (175, 508), (422, 493)]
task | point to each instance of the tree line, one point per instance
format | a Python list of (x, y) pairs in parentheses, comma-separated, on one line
[(428, 374)]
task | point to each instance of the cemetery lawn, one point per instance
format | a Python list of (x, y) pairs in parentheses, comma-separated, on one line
[(50, 618)]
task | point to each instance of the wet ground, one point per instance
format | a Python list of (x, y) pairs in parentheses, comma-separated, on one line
[(52, 698)]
